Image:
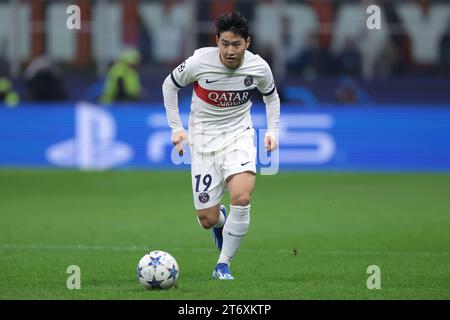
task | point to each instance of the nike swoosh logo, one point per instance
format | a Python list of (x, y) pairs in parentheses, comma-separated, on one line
[(211, 81), (243, 164)]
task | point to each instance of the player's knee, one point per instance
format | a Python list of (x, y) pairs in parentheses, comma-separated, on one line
[(242, 199), (206, 222)]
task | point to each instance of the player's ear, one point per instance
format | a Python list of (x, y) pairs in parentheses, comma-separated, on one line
[(217, 39), (247, 42)]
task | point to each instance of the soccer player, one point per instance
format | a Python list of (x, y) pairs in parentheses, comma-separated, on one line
[(221, 134)]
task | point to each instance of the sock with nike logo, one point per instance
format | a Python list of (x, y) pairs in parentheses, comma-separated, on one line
[(235, 228)]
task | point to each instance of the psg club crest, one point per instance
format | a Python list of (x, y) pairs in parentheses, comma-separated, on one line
[(248, 81), (203, 197)]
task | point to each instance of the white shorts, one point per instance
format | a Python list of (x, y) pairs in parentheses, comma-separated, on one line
[(210, 170)]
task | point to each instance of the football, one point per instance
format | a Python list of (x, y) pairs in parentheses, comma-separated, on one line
[(157, 270)]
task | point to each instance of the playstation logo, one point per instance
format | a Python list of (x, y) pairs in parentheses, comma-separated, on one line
[(93, 147)]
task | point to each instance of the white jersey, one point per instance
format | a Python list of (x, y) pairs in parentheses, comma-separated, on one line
[(220, 108)]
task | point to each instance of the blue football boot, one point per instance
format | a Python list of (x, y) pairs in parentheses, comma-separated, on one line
[(222, 272)]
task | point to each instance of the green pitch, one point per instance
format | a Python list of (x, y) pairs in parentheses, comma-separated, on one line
[(312, 236)]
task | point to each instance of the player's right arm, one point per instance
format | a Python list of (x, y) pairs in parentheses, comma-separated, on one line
[(170, 94), (179, 77)]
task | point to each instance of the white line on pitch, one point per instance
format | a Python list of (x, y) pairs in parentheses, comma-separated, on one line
[(155, 247)]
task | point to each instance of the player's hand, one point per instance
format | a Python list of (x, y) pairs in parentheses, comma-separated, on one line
[(178, 139), (270, 142)]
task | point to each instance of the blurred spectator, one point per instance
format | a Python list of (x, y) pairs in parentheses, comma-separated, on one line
[(349, 60), (44, 80), (387, 62), (7, 95), (123, 82), (349, 92), (399, 45), (312, 61), (145, 41), (444, 51)]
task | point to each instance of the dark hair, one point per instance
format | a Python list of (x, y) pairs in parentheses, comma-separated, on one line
[(234, 22)]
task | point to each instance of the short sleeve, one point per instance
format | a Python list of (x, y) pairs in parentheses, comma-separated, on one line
[(184, 74), (266, 84)]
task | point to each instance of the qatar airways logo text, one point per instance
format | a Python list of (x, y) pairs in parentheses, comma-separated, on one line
[(229, 98), (220, 98)]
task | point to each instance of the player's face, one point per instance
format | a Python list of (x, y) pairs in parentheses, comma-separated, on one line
[(232, 49)]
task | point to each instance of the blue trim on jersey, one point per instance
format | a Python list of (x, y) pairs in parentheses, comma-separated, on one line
[(174, 81)]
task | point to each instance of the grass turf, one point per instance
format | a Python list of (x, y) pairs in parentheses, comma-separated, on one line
[(312, 236)]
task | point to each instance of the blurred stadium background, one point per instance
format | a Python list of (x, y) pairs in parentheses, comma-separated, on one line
[(354, 101), (310, 44), (393, 82)]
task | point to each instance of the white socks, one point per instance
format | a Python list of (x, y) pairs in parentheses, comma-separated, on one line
[(235, 228), (221, 220)]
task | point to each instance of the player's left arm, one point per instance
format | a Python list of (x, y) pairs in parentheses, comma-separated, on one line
[(272, 101), (271, 139)]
